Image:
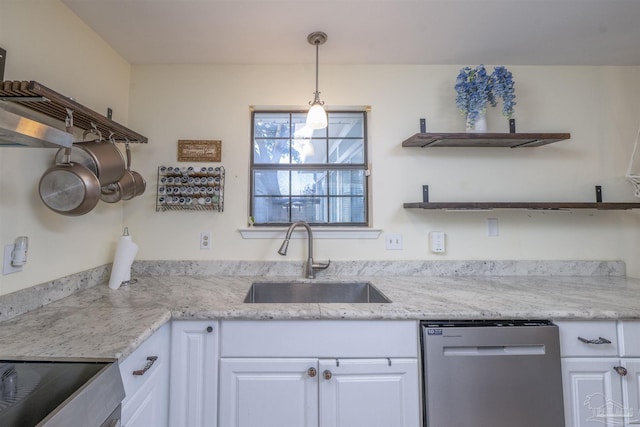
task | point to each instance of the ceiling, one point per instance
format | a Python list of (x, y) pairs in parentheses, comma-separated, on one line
[(515, 32)]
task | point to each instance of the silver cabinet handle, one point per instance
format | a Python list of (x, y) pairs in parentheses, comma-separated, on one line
[(312, 372), (327, 374), (600, 340), (621, 370), (150, 361)]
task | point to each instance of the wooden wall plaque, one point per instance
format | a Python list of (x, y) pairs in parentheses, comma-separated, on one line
[(199, 150)]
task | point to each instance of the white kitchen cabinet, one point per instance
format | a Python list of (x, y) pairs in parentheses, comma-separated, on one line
[(194, 373), (591, 390), (601, 372), (268, 392), (306, 392), (368, 392), (145, 376), (319, 373)]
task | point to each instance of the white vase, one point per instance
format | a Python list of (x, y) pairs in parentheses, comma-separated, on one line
[(480, 126)]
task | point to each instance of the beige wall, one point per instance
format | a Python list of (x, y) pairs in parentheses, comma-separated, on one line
[(595, 104), (47, 43), (169, 102)]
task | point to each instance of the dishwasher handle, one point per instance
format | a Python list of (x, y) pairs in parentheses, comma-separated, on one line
[(599, 340)]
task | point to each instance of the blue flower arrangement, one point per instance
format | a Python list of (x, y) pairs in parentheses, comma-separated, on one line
[(474, 88)]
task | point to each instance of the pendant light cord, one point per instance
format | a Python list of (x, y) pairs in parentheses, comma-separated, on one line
[(316, 99)]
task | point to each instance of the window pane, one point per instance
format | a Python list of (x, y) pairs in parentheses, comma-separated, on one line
[(310, 209), (347, 209), (309, 183), (271, 142), (271, 183), (271, 209), (346, 151), (347, 183), (272, 125), (306, 150), (270, 151), (346, 125)]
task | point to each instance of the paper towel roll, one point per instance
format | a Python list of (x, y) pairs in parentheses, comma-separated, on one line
[(125, 254)]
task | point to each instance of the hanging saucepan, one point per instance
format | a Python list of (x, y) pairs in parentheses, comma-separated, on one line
[(69, 188), (141, 184), (124, 189), (110, 165)]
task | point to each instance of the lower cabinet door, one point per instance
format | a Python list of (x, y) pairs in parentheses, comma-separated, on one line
[(593, 392), (269, 392), (369, 392), (145, 376), (194, 374), (631, 391)]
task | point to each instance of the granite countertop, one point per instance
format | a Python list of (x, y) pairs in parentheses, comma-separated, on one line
[(102, 323)]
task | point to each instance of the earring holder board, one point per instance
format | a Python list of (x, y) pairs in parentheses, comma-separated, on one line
[(190, 188)]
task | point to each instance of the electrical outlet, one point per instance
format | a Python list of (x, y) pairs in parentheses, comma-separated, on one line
[(205, 240), (393, 241), (437, 242)]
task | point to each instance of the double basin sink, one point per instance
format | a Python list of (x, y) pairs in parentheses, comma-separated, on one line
[(314, 292)]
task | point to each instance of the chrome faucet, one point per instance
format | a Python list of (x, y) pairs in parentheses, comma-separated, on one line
[(311, 267)]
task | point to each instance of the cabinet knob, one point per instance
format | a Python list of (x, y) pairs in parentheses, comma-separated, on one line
[(312, 372), (209, 329), (327, 374), (621, 370)]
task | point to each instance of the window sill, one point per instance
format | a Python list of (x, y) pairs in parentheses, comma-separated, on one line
[(318, 233)]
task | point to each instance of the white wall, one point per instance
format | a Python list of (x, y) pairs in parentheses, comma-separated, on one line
[(47, 43), (597, 105)]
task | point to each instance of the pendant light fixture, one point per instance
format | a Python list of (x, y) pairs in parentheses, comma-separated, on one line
[(317, 116)]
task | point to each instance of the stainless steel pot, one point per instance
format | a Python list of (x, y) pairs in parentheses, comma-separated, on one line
[(69, 188), (127, 186), (102, 157)]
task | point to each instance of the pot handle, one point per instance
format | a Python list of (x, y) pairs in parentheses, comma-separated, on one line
[(126, 146)]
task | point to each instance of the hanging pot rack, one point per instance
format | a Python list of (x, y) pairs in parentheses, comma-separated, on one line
[(38, 97)]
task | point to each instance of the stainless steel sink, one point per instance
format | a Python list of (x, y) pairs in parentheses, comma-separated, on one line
[(314, 292)]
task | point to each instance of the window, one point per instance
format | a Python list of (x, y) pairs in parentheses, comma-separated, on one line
[(315, 176)]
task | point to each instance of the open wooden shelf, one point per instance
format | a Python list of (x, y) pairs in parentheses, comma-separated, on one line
[(522, 205), (504, 140), (33, 95)]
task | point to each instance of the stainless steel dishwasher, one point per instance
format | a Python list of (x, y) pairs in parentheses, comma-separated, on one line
[(492, 374)]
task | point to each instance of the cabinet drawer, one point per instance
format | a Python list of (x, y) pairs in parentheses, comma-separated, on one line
[(319, 338), (156, 345), (629, 336), (573, 333)]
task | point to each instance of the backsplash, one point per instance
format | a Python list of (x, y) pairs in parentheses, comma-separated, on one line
[(28, 299), (384, 268)]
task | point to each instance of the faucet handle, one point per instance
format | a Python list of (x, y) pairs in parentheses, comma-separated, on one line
[(319, 266)]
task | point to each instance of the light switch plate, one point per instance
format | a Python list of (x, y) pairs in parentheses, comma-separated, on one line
[(492, 227), (393, 241), (7, 267)]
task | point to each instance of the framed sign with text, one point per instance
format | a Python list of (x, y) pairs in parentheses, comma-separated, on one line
[(203, 150)]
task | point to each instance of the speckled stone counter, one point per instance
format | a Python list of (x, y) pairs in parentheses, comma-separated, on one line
[(102, 323)]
